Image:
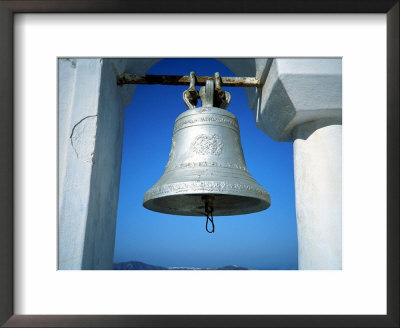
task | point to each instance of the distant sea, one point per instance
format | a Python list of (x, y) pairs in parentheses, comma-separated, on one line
[(135, 265)]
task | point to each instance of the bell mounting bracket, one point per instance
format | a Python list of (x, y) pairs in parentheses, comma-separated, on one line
[(127, 78), (220, 98), (191, 95)]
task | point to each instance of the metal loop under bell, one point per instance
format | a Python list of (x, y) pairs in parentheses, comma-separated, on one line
[(208, 200)]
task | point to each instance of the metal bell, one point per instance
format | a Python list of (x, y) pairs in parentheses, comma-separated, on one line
[(206, 166)]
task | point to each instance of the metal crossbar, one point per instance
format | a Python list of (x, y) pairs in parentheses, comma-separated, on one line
[(127, 78)]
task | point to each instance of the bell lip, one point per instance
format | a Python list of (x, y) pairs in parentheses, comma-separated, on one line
[(261, 205), (248, 189)]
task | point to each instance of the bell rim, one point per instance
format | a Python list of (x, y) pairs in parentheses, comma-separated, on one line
[(260, 205), (245, 189)]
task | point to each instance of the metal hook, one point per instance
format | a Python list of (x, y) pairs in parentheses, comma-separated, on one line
[(192, 78), (190, 95), (217, 82), (223, 98)]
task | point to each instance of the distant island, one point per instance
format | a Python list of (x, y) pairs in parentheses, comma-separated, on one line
[(135, 265)]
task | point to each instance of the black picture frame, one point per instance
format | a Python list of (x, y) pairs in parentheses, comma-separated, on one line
[(10, 7)]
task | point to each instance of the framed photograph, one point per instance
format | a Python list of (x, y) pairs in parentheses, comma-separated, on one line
[(69, 70)]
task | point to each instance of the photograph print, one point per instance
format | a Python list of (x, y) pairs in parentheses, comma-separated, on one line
[(199, 163)]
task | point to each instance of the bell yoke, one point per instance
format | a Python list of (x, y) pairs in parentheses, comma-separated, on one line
[(206, 173)]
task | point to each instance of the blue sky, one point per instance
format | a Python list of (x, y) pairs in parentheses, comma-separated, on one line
[(264, 240)]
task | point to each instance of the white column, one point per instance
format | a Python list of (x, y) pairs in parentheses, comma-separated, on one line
[(91, 122), (91, 127), (301, 101), (318, 180)]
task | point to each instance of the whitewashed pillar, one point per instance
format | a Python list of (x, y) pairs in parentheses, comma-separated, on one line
[(302, 102), (91, 127), (91, 117)]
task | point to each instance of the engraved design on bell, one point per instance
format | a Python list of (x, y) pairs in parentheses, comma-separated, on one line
[(231, 123), (203, 109), (205, 144), (206, 187), (208, 164)]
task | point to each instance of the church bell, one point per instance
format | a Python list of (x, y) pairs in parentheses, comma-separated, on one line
[(206, 174)]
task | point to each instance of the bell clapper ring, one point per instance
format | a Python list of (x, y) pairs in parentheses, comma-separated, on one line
[(208, 207)]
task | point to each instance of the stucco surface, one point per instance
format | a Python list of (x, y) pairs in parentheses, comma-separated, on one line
[(81, 100), (318, 182), (298, 91)]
